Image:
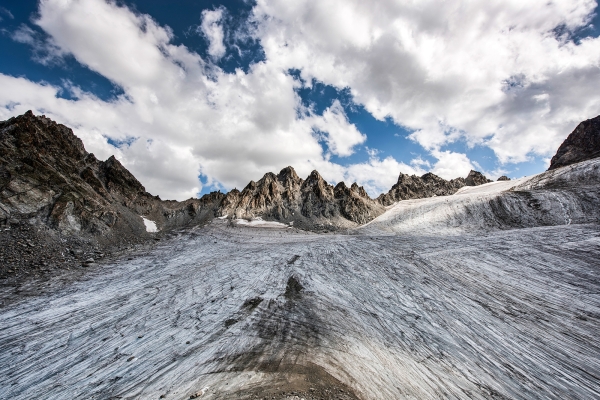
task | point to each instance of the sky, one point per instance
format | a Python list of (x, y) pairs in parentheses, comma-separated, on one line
[(194, 96)]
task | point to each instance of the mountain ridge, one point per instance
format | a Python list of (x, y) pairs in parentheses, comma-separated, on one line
[(70, 207), (48, 175)]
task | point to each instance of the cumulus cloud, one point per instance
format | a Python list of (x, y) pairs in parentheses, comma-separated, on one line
[(189, 117), (213, 30), (491, 73), (494, 73), (377, 175), (340, 135)]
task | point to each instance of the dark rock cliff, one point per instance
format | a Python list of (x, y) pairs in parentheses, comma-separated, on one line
[(476, 178), (582, 144), (47, 175), (415, 187)]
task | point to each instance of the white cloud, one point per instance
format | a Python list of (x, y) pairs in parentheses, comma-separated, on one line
[(24, 34), (340, 135), (418, 162), (452, 165), (44, 51), (377, 175), (213, 30), (490, 73), (189, 116), (441, 68)]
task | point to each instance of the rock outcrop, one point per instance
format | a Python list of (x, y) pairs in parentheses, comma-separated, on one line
[(504, 178), (309, 203), (47, 175), (415, 187), (476, 178), (581, 145)]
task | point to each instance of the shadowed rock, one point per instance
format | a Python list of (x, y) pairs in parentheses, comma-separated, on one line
[(476, 178), (47, 177), (582, 144), (414, 187)]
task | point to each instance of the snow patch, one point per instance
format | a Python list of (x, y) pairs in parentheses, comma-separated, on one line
[(150, 225), (258, 222), (491, 187), (550, 199)]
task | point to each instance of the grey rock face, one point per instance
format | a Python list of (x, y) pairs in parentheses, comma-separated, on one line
[(582, 144), (46, 175), (414, 187), (504, 178), (476, 178), (286, 197)]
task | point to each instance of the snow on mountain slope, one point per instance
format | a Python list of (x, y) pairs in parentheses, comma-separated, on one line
[(558, 197), (256, 313)]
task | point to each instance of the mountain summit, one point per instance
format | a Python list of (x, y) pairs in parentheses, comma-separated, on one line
[(581, 145)]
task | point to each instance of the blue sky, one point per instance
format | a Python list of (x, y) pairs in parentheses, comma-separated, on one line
[(382, 100)]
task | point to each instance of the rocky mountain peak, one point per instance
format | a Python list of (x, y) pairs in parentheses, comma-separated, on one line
[(359, 190), (288, 176), (415, 187), (29, 132), (119, 180), (582, 144), (268, 178), (46, 175), (314, 179), (341, 186), (476, 178)]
